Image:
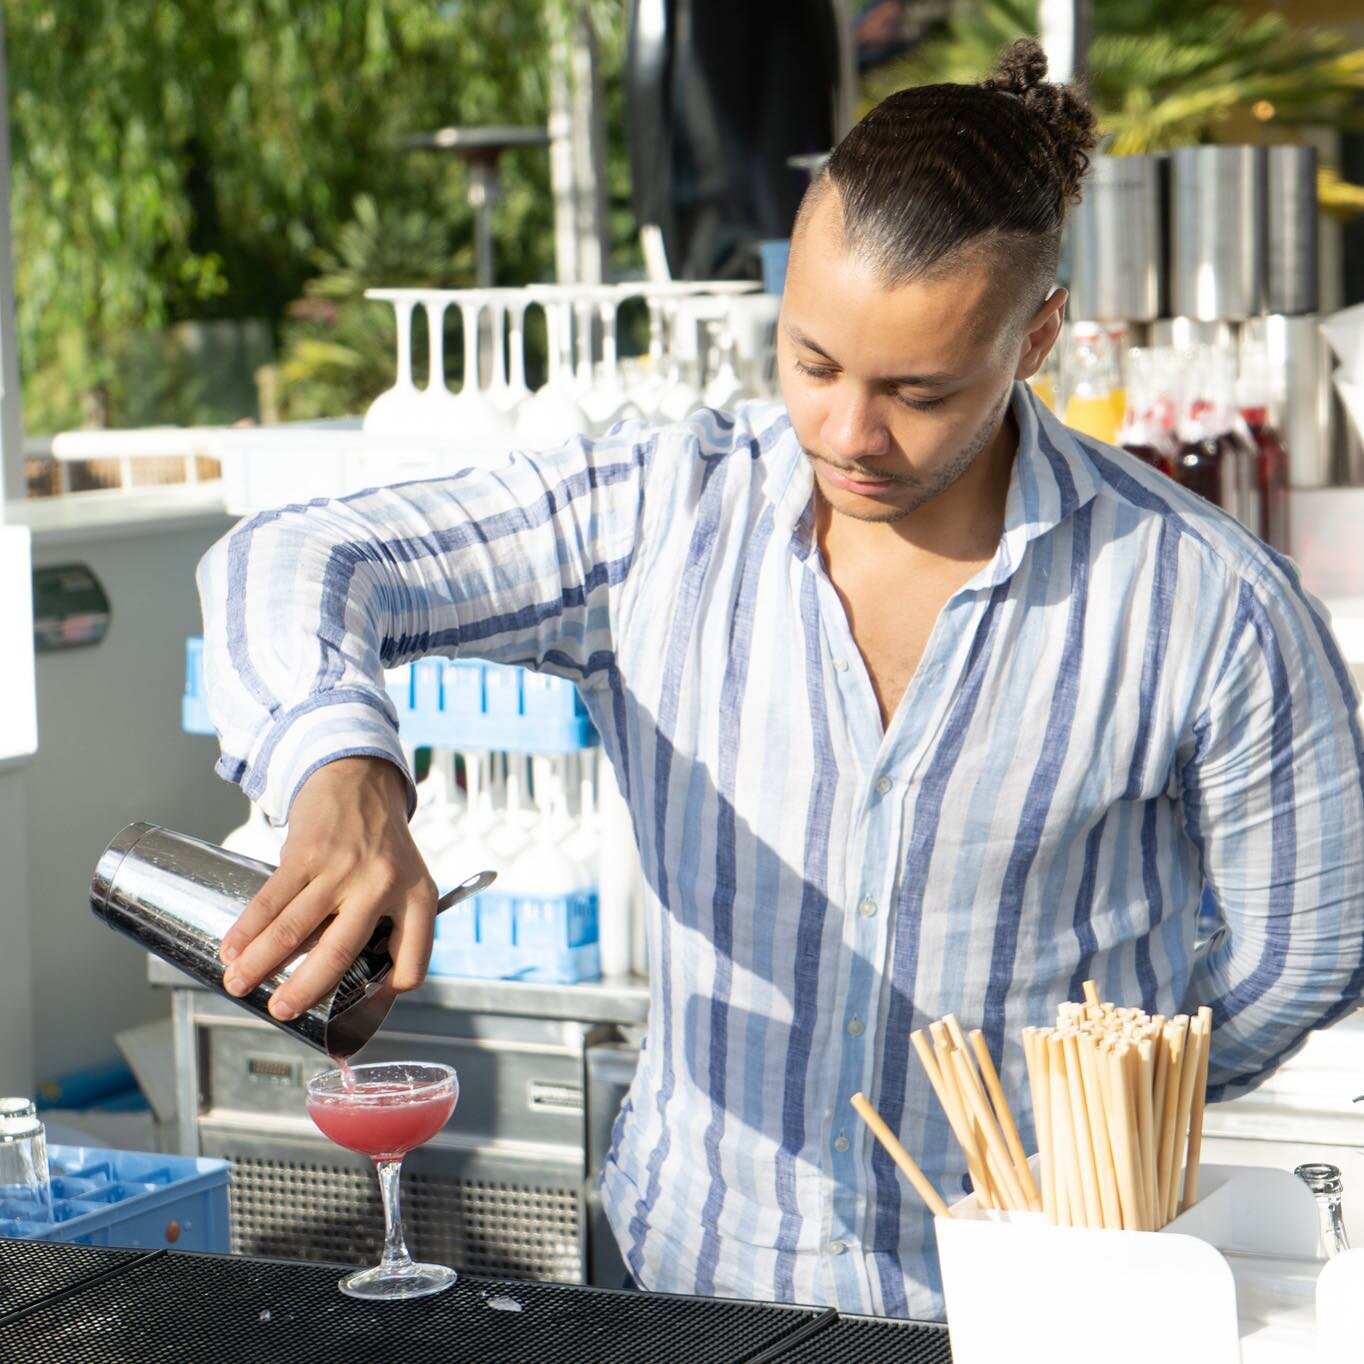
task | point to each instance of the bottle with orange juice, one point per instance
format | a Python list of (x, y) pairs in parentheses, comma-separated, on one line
[(1091, 377)]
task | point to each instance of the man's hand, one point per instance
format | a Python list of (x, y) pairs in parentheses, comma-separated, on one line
[(349, 861)]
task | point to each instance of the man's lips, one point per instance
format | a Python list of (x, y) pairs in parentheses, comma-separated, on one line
[(865, 487)]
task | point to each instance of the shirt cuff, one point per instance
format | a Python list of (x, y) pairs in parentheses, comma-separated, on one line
[(346, 722)]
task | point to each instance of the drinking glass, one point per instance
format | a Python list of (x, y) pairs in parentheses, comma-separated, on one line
[(383, 1110), (25, 1192), (399, 409)]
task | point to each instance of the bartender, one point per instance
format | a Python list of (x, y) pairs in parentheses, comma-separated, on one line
[(921, 703)]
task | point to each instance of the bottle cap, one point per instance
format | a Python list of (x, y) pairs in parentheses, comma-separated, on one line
[(1321, 1179)]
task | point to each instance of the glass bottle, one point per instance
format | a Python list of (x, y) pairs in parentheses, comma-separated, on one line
[(1216, 458), (1256, 400), (1090, 375), (1325, 1183), (1119, 347), (1142, 430)]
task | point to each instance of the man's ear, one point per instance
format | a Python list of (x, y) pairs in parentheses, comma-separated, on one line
[(1040, 333)]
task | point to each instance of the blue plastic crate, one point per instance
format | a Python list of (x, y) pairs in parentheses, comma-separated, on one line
[(460, 703), (463, 703), (549, 966), (128, 1198), (193, 708), (505, 936)]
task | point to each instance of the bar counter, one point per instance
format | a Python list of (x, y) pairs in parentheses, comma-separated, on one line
[(66, 1304)]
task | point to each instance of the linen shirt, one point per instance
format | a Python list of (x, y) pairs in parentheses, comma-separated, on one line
[(1132, 703)]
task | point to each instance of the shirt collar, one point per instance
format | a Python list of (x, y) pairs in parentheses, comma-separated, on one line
[(1050, 480)]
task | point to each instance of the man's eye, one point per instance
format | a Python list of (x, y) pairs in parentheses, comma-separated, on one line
[(920, 404), (814, 371)]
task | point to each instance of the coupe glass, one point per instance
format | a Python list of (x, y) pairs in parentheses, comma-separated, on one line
[(383, 1111)]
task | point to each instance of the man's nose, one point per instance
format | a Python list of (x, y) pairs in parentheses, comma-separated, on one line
[(853, 428)]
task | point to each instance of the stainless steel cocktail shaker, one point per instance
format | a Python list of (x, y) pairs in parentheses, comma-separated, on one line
[(177, 896)]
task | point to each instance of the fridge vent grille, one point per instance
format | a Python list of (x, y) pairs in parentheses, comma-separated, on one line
[(312, 1211)]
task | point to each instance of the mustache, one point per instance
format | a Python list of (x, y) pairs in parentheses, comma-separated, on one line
[(860, 475)]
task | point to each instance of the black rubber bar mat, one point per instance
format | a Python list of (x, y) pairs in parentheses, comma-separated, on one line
[(31, 1271), (857, 1340), (204, 1309)]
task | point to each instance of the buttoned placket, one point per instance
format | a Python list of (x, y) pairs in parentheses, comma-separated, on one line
[(886, 763)]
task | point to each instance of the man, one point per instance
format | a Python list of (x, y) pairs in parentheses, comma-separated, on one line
[(921, 704)]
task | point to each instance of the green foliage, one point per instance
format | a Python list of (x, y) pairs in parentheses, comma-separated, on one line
[(1163, 73), (191, 161)]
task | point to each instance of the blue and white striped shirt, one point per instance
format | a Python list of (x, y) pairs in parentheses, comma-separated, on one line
[(1132, 700)]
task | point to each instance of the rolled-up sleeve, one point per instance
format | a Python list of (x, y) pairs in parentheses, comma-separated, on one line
[(304, 608), (1273, 794)]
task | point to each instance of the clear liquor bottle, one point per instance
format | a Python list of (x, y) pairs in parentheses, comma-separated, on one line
[(1325, 1183)]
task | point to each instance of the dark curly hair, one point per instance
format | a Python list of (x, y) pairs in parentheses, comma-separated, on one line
[(939, 170)]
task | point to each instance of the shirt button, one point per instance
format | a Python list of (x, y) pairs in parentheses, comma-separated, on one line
[(836, 1247), (841, 1143), (855, 1027), (841, 664), (883, 786), (867, 908)]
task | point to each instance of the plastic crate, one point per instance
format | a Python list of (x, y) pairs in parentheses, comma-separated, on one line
[(466, 704), (504, 936), (193, 708), (454, 704), (128, 1198)]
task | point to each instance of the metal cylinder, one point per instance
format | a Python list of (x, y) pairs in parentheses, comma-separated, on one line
[(178, 896), (1301, 362), (1291, 230), (1115, 242), (1181, 333), (1217, 232)]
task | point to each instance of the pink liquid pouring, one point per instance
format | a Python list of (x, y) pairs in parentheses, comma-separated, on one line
[(347, 1074), (382, 1121)]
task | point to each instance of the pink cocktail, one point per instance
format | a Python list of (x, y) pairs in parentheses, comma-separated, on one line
[(380, 1121), (384, 1111)]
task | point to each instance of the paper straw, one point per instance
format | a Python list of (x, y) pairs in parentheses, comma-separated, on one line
[(1174, 1066), (1203, 1029), (1006, 1120), (1187, 1076), (1069, 1200), (1084, 1146), (1109, 1205), (975, 1097), (900, 1156), (960, 1120), (1035, 1052), (955, 1120)]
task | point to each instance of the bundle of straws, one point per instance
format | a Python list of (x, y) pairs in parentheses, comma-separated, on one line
[(1118, 1107), (1118, 1103)]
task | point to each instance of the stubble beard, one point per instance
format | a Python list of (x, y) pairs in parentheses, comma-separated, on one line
[(942, 480)]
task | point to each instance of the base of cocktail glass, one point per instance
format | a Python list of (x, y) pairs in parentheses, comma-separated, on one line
[(413, 1281)]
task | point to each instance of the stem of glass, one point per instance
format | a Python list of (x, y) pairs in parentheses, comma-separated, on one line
[(396, 1260)]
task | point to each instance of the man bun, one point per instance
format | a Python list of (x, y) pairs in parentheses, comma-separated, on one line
[(1061, 111)]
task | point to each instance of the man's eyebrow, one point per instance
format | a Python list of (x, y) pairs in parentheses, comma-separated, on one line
[(937, 379)]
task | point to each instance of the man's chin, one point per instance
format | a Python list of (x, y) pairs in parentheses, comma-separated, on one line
[(896, 502)]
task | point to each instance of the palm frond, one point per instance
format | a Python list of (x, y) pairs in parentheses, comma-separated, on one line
[(1163, 73)]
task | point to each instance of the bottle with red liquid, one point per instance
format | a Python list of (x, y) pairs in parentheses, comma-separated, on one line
[(1148, 417), (1256, 400), (1215, 457)]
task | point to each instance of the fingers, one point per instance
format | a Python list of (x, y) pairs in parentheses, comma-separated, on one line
[(272, 898), (281, 938), (326, 962), (409, 944), (412, 910)]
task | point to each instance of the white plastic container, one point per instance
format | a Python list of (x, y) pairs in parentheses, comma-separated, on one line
[(1019, 1290)]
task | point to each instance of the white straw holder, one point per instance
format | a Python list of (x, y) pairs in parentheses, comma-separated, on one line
[(1017, 1289)]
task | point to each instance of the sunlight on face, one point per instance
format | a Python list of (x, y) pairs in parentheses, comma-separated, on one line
[(893, 393)]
